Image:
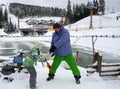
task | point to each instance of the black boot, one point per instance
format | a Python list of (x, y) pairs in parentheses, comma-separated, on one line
[(50, 77), (77, 79)]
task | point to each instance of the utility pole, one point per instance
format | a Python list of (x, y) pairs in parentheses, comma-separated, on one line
[(91, 6)]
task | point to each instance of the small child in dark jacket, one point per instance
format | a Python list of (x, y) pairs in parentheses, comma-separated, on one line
[(19, 60)]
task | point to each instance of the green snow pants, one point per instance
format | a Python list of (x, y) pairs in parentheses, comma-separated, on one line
[(69, 59)]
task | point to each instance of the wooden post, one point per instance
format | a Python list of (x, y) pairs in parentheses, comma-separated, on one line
[(99, 64), (93, 46), (95, 57), (76, 58)]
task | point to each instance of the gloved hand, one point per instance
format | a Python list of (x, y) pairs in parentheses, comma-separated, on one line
[(52, 54), (52, 50)]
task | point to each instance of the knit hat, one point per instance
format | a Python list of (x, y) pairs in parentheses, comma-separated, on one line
[(56, 25), (34, 51)]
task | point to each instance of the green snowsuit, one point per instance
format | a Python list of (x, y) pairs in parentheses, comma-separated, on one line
[(29, 64), (69, 59), (63, 52)]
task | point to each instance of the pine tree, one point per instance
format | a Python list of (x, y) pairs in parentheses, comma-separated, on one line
[(102, 6), (69, 12), (96, 7), (6, 15), (1, 17)]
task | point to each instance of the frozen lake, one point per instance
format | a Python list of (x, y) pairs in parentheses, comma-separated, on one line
[(84, 58)]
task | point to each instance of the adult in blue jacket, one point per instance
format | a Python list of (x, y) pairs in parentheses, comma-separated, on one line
[(61, 48)]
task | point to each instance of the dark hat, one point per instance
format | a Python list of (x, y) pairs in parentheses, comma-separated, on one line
[(56, 25)]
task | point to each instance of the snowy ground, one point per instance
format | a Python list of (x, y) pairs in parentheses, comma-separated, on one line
[(63, 80)]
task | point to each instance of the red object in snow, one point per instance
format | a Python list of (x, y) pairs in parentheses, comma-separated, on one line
[(49, 66)]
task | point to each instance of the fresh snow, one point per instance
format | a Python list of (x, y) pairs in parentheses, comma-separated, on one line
[(63, 80), (103, 25)]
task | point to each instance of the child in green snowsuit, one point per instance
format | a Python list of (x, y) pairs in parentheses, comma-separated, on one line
[(29, 63)]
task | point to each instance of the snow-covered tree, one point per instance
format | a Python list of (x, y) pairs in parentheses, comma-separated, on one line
[(1, 17), (102, 6), (69, 12), (5, 15)]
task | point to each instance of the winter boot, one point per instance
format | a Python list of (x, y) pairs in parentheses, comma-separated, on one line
[(50, 77), (77, 79)]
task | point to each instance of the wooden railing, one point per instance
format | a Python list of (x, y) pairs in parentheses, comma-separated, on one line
[(106, 69)]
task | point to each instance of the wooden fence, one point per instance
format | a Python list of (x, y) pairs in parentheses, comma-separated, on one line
[(104, 69)]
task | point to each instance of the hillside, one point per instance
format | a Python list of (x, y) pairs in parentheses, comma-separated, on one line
[(98, 21), (111, 5)]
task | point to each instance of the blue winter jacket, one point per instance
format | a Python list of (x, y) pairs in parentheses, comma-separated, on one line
[(61, 40)]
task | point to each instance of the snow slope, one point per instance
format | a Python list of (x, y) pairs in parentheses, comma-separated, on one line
[(98, 21)]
